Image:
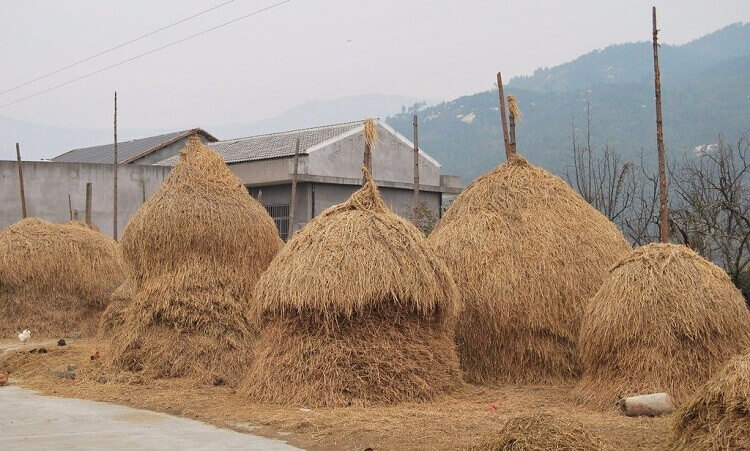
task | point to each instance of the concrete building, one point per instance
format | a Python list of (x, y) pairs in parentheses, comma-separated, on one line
[(330, 158)]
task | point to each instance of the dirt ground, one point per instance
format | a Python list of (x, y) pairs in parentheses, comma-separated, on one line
[(463, 420)]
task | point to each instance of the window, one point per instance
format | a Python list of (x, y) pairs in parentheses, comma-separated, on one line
[(280, 215)]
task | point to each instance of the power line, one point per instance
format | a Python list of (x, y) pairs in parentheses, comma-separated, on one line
[(118, 46), (140, 55)]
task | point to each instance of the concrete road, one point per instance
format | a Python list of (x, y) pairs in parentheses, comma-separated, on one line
[(32, 421)]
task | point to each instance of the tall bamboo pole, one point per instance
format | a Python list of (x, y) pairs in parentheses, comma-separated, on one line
[(503, 118), (415, 206), (663, 207), (114, 193), (20, 181), (293, 205)]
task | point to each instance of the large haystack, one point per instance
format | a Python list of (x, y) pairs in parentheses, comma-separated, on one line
[(526, 252), (55, 278), (663, 321), (355, 310), (718, 416), (194, 253), (542, 431)]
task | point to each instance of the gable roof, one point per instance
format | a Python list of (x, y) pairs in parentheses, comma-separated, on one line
[(127, 151), (281, 144)]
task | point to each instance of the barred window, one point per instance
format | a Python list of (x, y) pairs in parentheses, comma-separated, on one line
[(280, 215)]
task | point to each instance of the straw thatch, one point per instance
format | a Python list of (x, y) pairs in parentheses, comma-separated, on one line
[(542, 431), (355, 310), (55, 278), (718, 416), (663, 321), (193, 252), (526, 252)]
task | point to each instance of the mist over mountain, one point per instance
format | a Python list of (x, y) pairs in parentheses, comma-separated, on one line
[(705, 90)]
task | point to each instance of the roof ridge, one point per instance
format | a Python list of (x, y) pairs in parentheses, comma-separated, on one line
[(305, 129)]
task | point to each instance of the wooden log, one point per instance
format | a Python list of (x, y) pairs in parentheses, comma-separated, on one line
[(20, 180), (503, 117), (651, 405), (114, 188)]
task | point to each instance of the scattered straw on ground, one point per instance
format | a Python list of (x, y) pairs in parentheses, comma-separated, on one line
[(718, 416), (193, 253), (663, 321), (527, 253), (465, 419), (542, 431), (55, 278), (355, 310)]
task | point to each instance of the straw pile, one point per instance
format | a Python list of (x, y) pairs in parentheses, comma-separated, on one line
[(542, 431), (193, 253), (55, 278), (114, 315), (663, 321), (526, 252), (355, 310), (718, 416)]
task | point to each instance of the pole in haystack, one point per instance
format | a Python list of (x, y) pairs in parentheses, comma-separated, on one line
[(370, 137), (88, 203), (114, 193), (415, 206), (70, 207), (663, 207), (20, 180), (293, 204), (514, 114), (503, 118)]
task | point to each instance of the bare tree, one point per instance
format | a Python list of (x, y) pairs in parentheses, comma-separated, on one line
[(713, 211)]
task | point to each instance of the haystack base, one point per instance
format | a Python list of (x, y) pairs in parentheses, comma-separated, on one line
[(379, 356)]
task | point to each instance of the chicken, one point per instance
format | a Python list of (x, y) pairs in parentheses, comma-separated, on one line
[(25, 335)]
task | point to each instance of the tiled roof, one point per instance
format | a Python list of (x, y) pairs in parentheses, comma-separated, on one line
[(126, 150), (280, 144)]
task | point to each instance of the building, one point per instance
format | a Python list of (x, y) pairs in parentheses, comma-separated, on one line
[(329, 169)]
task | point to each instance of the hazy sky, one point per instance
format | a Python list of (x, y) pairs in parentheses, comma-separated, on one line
[(304, 50)]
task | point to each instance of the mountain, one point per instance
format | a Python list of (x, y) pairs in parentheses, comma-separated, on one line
[(39, 141), (318, 112), (705, 90)]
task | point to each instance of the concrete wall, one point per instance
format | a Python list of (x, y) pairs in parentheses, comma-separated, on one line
[(392, 160), (48, 184)]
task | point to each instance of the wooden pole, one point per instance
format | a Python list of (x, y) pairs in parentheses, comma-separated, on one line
[(70, 207), (664, 211), (115, 163), (415, 206), (260, 196), (20, 181), (512, 132), (293, 205), (503, 118), (88, 203), (367, 160)]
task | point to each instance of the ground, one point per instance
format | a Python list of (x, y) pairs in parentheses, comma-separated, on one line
[(465, 419)]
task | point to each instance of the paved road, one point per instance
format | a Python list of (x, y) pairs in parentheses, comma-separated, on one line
[(32, 421)]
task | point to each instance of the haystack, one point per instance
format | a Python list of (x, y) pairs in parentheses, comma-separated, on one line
[(114, 315), (718, 416), (193, 253), (526, 252), (663, 321), (55, 278), (355, 310), (542, 431)]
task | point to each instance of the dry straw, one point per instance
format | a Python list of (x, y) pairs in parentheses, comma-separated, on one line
[(355, 310), (663, 321), (513, 108), (55, 278), (542, 431), (526, 252), (193, 253), (371, 135), (718, 416)]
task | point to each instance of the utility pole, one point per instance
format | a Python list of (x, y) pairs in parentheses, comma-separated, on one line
[(503, 118), (114, 194), (415, 207), (663, 205), (20, 181), (293, 205), (88, 203)]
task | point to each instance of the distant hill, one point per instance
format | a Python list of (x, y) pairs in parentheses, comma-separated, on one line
[(705, 88)]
